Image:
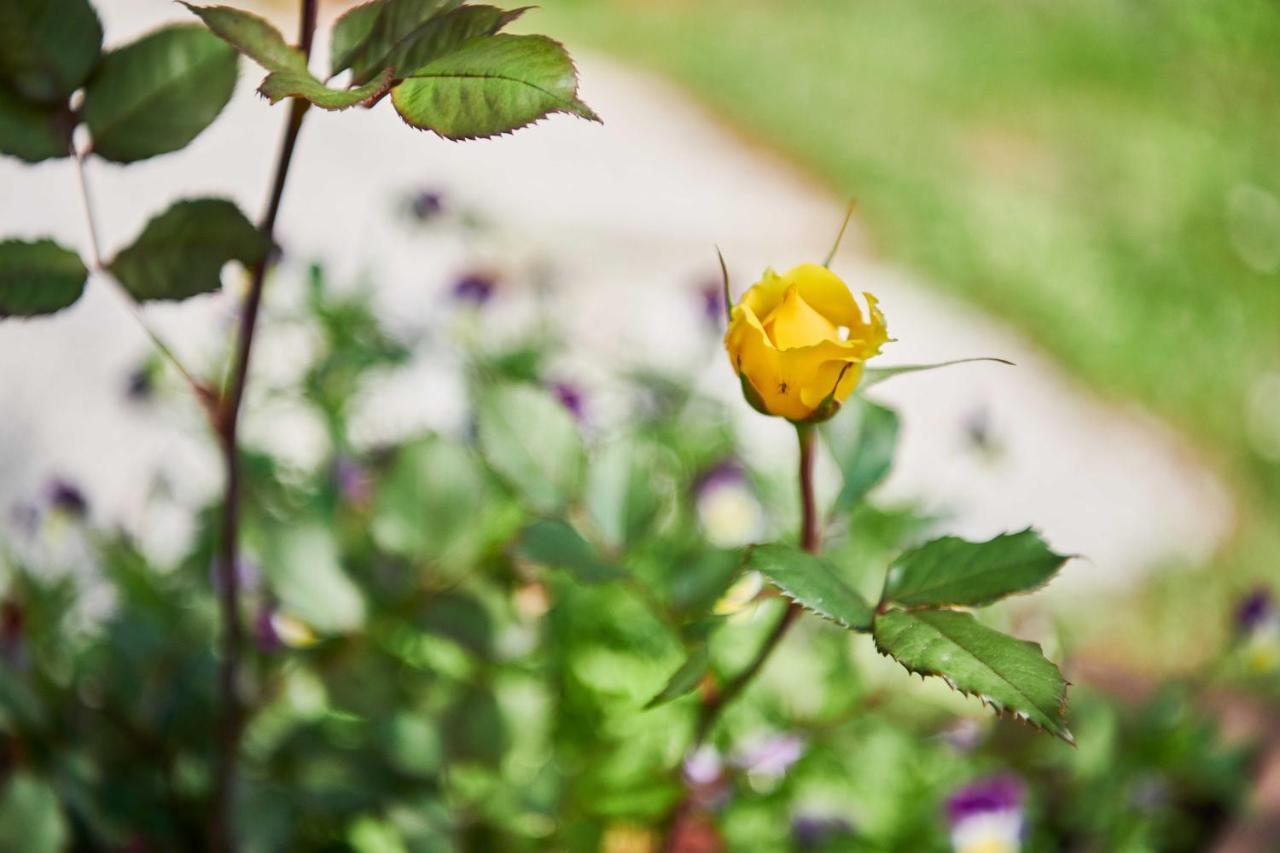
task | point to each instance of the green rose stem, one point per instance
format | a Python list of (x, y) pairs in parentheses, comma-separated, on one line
[(811, 541), (226, 421)]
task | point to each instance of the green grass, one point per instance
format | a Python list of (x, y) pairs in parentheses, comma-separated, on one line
[(1101, 173)]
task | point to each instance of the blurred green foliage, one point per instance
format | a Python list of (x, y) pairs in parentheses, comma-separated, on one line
[(1098, 172), (422, 679)]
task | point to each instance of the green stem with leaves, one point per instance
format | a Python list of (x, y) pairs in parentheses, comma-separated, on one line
[(811, 541), (226, 422)]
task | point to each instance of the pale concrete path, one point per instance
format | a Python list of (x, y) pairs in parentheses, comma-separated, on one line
[(625, 215)]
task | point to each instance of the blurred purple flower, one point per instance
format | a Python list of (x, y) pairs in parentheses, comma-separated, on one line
[(812, 830), (703, 766), (964, 734), (66, 497), (474, 288), (571, 397), (985, 816), (264, 630), (426, 205), (1254, 609), (705, 780), (770, 756), (140, 385), (711, 295), (355, 487), (726, 472), (992, 794)]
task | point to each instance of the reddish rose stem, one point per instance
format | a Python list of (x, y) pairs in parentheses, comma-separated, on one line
[(222, 829)]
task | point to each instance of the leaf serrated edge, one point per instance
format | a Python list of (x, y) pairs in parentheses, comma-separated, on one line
[(384, 86), (1000, 711), (573, 105), (1063, 559), (787, 594)]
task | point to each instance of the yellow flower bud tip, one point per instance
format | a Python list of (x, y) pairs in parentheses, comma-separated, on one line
[(799, 340)]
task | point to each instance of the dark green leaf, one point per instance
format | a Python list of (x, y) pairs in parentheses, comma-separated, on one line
[(862, 440), (533, 442), (350, 32), (38, 278), (158, 93), (875, 375), (182, 251), (813, 582), (33, 132), (47, 47), (461, 618), (556, 544), (1010, 675), (474, 728), (490, 86), (440, 36), (300, 84), (252, 36), (951, 571), (396, 26), (686, 678)]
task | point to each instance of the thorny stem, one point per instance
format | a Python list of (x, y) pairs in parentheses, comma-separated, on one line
[(134, 308), (226, 421), (714, 702), (811, 541)]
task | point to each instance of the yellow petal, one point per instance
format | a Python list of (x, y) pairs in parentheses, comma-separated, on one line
[(763, 296), (826, 293), (794, 323)]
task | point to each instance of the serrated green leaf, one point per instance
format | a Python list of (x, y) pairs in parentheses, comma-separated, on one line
[(533, 442), (252, 36), (875, 375), (862, 440), (397, 24), (1010, 675), (686, 678), (442, 35), (300, 84), (556, 544), (181, 252), (812, 582), (39, 277), (350, 32), (34, 132), (48, 47), (157, 94), (952, 571), (490, 86)]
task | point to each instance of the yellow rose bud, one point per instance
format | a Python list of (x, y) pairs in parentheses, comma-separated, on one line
[(798, 342)]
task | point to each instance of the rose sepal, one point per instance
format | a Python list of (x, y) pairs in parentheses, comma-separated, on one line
[(752, 396), (828, 407)]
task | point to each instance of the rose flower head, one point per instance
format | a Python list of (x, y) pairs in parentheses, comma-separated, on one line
[(798, 342)]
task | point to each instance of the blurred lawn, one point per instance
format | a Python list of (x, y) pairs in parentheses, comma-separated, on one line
[(1102, 173)]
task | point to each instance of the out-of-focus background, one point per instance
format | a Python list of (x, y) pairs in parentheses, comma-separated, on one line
[(1087, 189)]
